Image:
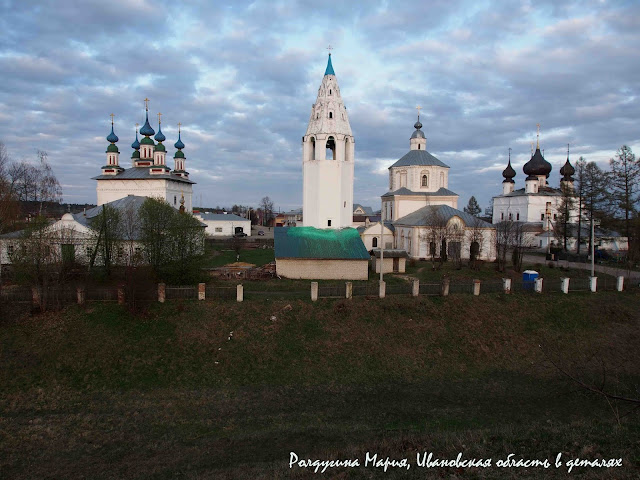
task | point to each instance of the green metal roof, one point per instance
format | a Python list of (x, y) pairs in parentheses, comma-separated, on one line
[(310, 242)]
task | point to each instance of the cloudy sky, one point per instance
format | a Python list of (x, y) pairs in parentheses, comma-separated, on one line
[(241, 78)]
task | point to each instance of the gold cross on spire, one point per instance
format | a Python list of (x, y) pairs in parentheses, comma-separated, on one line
[(137, 124), (112, 115), (159, 119), (538, 137), (179, 125), (146, 104), (418, 108), (329, 48)]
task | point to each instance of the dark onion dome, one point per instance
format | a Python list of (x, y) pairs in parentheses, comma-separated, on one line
[(179, 154), (567, 170), (146, 141), (179, 145), (135, 154), (136, 144), (112, 148), (537, 166), (508, 173), (146, 129), (160, 148), (112, 137), (418, 133), (160, 136)]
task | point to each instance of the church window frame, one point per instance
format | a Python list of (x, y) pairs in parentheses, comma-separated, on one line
[(330, 114), (313, 148), (517, 216), (374, 242), (331, 147), (501, 215), (424, 179)]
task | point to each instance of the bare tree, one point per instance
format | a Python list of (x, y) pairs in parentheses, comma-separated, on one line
[(435, 235), (504, 240), (108, 228), (476, 238), (563, 226), (623, 190), (266, 204)]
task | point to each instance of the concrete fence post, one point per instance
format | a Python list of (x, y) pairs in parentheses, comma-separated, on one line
[(161, 292), (120, 294), (383, 289), (620, 283), (445, 286), (564, 285), (415, 288), (314, 291), (476, 287), (202, 291), (349, 290), (506, 285), (538, 285), (239, 292), (80, 295), (593, 284)]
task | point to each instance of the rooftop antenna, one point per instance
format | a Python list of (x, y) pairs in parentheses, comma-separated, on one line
[(538, 137)]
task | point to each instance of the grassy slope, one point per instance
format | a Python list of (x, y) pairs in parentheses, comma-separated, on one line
[(101, 394)]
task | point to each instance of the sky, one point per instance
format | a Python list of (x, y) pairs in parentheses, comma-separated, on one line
[(241, 77)]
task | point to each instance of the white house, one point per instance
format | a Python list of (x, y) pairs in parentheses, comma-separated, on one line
[(224, 224)]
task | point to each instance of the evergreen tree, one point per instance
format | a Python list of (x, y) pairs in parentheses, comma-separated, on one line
[(623, 191), (472, 207)]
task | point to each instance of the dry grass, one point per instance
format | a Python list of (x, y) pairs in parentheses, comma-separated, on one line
[(173, 394)]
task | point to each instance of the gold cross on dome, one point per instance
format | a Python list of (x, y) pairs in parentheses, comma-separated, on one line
[(146, 104), (329, 48), (159, 119), (179, 125), (112, 115), (137, 124), (418, 108)]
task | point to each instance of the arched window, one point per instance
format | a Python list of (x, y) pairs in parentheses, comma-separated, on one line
[(518, 216), (313, 148), (374, 242), (329, 91), (419, 146), (502, 216), (331, 149), (330, 114), (511, 216), (425, 181)]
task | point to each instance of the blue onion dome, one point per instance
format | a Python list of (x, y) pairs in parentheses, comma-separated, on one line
[(112, 137), (146, 141), (179, 145), (179, 154), (418, 133), (146, 129), (508, 173), (135, 154), (136, 144), (112, 148), (537, 166), (160, 148), (160, 136)]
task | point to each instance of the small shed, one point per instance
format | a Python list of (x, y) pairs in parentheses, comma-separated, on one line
[(320, 254), (393, 261)]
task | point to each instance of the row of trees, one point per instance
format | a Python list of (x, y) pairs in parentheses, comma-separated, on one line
[(154, 239), (258, 216), (23, 181), (610, 198)]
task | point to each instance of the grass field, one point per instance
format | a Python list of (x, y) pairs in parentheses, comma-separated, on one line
[(205, 390)]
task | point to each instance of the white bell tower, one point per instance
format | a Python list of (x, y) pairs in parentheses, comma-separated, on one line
[(327, 160)]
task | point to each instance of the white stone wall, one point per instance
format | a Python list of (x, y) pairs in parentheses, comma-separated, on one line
[(224, 228), (311, 269), (168, 190), (527, 208), (411, 177), (373, 231)]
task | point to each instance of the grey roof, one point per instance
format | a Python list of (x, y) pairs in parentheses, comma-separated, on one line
[(441, 192), (367, 210), (136, 173), (428, 215), (419, 157), (391, 253), (217, 217), (389, 225)]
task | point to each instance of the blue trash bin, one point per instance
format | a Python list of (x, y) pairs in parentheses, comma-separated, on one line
[(529, 279)]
